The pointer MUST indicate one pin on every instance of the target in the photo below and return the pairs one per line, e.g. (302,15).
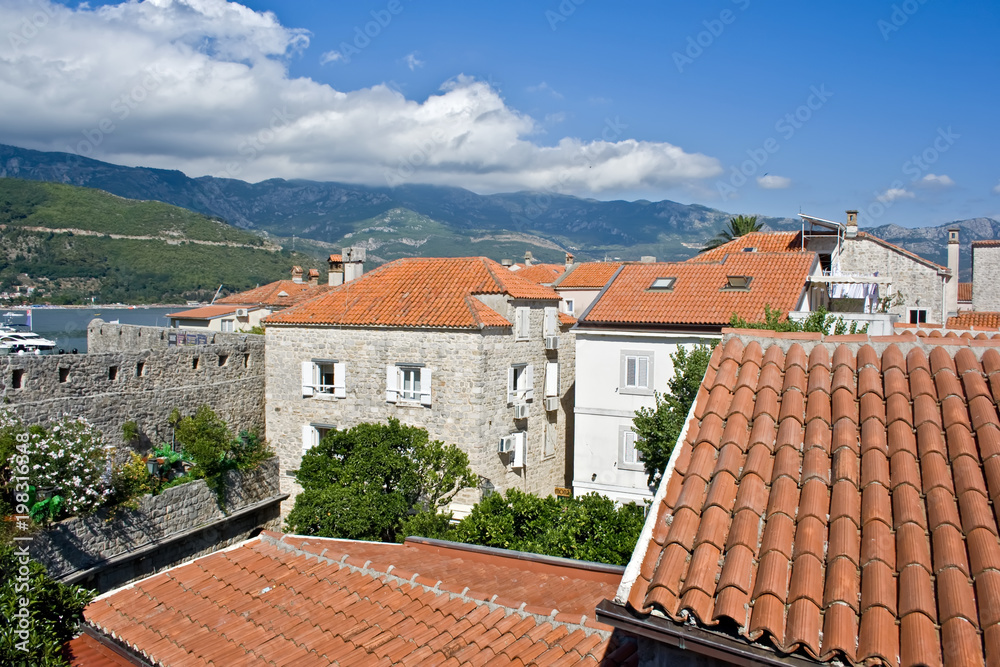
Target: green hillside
(76,243)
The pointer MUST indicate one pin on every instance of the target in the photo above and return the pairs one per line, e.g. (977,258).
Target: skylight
(750,249)
(663,284)
(738,282)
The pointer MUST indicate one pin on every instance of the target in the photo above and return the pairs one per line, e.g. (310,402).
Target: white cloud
(772,182)
(412,61)
(331,57)
(996,189)
(544,88)
(203,86)
(935,181)
(892,194)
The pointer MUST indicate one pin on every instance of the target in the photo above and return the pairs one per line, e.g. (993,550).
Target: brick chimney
(354,262)
(296,274)
(951,287)
(336,274)
(313,277)
(851,230)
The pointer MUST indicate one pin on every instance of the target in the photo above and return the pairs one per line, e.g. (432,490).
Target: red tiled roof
(336,258)
(566,318)
(418,292)
(835,497)
(279,294)
(698,297)
(307,601)
(979,319)
(205,312)
(965,292)
(761,241)
(990,243)
(543,274)
(85,651)
(589,275)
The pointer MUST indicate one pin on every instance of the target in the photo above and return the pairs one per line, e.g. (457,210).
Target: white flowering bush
(72,458)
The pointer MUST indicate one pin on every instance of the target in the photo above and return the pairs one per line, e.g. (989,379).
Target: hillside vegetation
(76,243)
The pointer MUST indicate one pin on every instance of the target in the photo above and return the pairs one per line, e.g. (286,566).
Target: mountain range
(427,220)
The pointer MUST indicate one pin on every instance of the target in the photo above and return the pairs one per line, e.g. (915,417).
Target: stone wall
(130,374)
(106,549)
(985,276)
(469,394)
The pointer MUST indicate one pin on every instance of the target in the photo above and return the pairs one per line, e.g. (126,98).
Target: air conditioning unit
(552,342)
(506,444)
(521,411)
(551,403)
(242,312)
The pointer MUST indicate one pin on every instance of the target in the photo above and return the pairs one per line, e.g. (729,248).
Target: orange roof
(85,651)
(543,274)
(418,292)
(279,294)
(988,243)
(205,312)
(760,241)
(307,601)
(832,497)
(593,275)
(336,258)
(965,292)
(698,297)
(981,319)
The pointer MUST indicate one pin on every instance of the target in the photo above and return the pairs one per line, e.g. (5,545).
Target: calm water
(68,326)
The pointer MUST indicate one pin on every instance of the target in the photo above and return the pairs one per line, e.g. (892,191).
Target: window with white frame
(227,326)
(408,383)
(522,323)
(551,321)
(313,434)
(324,378)
(636,372)
(569,305)
(918,315)
(629,458)
(520,384)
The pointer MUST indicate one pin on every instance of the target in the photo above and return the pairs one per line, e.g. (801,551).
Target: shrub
(129,481)
(71,457)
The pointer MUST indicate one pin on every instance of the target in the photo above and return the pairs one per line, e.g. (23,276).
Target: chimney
(354,263)
(951,288)
(336,275)
(313,277)
(852,225)
(507,262)
(569,259)
(527,258)
(296,274)
(648,259)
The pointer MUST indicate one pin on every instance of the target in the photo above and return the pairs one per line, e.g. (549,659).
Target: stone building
(986,275)
(462,347)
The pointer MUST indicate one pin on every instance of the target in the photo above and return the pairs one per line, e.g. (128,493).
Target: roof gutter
(695,639)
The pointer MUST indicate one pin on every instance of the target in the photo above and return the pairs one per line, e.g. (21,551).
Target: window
(194,364)
(324,378)
(663,284)
(63,374)
(738,282)
(551,321)
(408,383)
(520,384)
(629,458)
(522,323)
(918,315)
(17,378)
(227,326)
(636,372)
(552,378)
(223,359)
(550,439)
(313,434)
(570,306)
(140,369)
(112,373)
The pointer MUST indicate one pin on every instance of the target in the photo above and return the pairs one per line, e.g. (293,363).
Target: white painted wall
(604,407)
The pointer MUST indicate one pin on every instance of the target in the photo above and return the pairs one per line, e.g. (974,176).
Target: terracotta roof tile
(205,312)
(759,241)
(699,295)
(279,294)
(418,292)
(588,275)
(284,603)
(976,319)
(965,292)
(543,274)
(877,544)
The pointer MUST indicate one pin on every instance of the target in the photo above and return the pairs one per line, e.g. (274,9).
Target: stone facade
(986,276)
(130,374)
(469,404)
(103,550)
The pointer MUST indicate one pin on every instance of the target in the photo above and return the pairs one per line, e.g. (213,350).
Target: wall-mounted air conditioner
(551,403)
(506,444)
(552,342)
(521,411)
(242,312)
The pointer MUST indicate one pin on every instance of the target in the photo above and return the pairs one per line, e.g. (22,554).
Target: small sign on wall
(563,492)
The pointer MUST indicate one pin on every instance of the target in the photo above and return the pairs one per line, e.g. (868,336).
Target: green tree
(737,227)
(657,429)
(364,483)
(818,321)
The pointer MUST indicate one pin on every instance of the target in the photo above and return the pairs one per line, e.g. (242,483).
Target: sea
(68,326)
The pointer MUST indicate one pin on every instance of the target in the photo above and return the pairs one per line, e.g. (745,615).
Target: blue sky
(741,105)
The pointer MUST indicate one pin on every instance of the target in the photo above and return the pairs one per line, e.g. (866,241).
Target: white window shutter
(308,383)
(340,379)
(552,378)
(308,438)
(391,384)
(520,448)
(529,383)
(551,321)
(425,386)
(643,379)
(511,393)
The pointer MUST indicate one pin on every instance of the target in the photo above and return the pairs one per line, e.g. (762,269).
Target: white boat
(15,342)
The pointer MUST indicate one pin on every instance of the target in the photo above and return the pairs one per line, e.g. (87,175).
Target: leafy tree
(818,321)
(364,483)
(657,429)
(737,227)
